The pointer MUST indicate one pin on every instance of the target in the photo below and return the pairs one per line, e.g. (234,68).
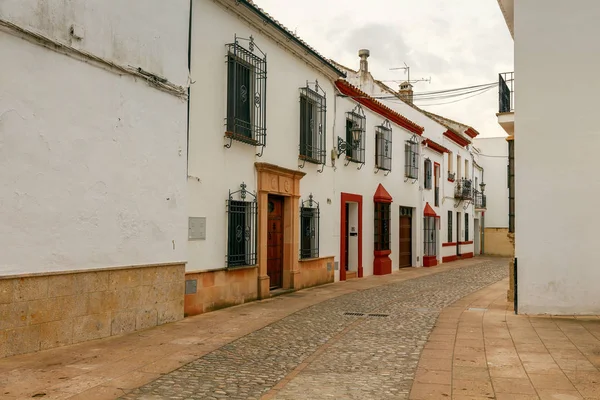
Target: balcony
(506,112)
(480,200)
(463,189)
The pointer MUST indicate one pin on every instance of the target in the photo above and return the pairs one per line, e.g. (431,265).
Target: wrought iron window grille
(411,159)
(382,226)
(480,199)
(428,174)
(463,191)
(313,123)
(354,145)
(437,196)
(383,147)
(309,227)
(449,226)
(451,176)
(506,84)
(242,231)
(246,119)
(466,227)
(429,236)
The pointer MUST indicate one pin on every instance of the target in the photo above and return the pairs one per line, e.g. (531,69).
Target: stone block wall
(219,289)
(316,271)
(497,242)
(46,311)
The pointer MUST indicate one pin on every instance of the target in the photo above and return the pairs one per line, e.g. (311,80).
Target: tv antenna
(406,69)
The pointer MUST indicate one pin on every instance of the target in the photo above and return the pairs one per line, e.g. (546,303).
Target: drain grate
(356,314)
(359,314)
(379,315)
(477,309)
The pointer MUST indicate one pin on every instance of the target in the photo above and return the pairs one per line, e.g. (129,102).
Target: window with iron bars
(428,174)
(383,146)
(382,226)
(355,128)
(466,227)
(241,228)
(449,226)
(411,159)
(246,93)
(309,226)
(312,124)
(429,236)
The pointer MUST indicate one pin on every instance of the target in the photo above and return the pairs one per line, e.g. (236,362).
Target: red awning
(381,195)
(429,212)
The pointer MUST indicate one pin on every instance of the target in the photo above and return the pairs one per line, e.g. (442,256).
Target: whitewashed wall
(92,163)
(214,169)
(494,160)
(556,145)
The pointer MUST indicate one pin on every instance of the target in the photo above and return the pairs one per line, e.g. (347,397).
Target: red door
(275,242)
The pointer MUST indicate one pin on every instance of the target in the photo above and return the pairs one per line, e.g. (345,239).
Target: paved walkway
(480,350)
(312,341)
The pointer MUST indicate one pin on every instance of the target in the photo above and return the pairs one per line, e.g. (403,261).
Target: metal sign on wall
(197,228)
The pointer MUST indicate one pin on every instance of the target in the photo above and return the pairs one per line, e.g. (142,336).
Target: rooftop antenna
(406,69)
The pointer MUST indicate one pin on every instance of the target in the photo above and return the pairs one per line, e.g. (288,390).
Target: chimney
(364,64)
(406,92)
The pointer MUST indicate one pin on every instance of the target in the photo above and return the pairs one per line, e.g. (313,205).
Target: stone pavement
(480,350)
(363,345)
(112,367)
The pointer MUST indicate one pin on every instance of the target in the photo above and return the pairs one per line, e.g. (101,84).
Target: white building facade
(93,158)
(306,184)
(554,161)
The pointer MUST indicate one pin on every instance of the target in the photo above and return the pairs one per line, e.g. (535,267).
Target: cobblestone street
(363,345)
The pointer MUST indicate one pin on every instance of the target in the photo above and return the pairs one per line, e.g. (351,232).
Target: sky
(456,43)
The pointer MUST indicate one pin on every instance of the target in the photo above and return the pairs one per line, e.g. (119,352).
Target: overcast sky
(457,43)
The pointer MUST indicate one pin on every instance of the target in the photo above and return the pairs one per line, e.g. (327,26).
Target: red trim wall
(435,146)
(461,141)
(449,244)
(350,198)
(455,257)
(429,261)
(471,132)
(361,97)
(468,242)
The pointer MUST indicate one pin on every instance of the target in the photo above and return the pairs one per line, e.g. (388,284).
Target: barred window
(383,146)
(466,227)
(382,226)
(309,226)
(355,135)
(246,93)
(449,226)
(428,177)
(411,158)
(429,236)
(312,124)
(241,228)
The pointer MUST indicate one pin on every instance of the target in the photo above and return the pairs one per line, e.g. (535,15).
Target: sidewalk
(111,367)
(480,350)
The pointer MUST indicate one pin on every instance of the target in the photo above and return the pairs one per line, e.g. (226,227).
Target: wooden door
(275,242)
(405,251)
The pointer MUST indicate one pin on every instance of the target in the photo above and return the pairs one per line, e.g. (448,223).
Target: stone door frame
(276,180)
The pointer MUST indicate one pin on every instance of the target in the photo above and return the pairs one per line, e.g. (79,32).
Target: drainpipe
(187,166)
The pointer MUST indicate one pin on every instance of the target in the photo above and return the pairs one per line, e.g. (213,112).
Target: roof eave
(293,38)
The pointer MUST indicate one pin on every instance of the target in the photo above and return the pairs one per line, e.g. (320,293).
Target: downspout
(189,87)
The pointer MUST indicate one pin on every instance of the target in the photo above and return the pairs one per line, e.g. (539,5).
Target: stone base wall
(316,271)
(41,312)
(212,290)
(497,242)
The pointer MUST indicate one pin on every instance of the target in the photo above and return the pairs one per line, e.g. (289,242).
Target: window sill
(241,138)
(309,159)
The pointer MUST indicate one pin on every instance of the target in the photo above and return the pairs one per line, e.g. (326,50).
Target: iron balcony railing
(463,189)
(480,199)
(506,92)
